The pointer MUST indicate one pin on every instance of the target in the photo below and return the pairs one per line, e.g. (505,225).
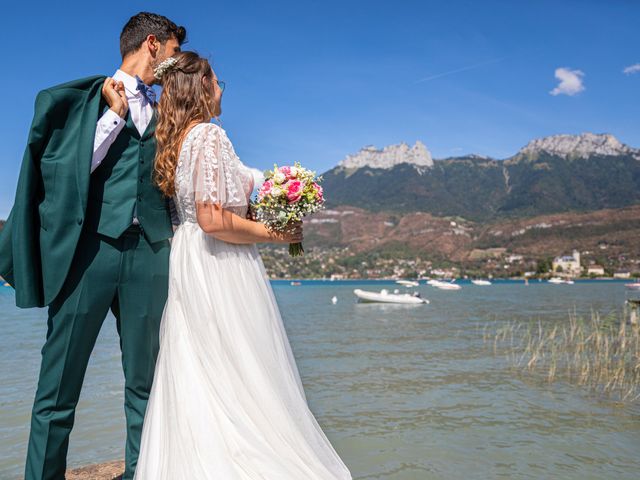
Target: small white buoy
(334,299)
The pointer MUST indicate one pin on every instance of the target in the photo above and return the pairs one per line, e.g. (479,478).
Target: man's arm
(173,212)
(112,122)
(108,128)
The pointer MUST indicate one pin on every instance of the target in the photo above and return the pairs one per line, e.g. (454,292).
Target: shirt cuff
(111,119)
(107,129)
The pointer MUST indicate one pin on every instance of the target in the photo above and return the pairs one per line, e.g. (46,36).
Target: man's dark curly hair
(140,26)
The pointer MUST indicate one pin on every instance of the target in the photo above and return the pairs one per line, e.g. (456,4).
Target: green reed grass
(601,353)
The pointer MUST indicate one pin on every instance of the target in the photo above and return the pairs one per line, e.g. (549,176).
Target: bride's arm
(229,227)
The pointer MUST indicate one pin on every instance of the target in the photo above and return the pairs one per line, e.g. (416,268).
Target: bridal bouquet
(288,194)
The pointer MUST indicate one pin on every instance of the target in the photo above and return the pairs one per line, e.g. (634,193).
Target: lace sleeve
(215,169)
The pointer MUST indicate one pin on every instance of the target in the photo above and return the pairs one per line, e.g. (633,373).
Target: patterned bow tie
(146,90)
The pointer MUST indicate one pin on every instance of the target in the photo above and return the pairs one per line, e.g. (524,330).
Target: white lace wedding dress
(227,402)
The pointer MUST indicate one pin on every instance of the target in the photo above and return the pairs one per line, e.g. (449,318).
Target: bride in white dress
(227,402)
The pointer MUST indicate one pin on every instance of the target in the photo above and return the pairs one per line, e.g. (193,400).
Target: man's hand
(113,93)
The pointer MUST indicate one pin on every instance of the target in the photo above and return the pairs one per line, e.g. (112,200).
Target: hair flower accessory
(164,67)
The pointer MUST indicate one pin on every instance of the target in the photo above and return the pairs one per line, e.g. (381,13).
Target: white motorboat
(632,286)
(482,283)
(560,281)
(385,297)
(407,283)
(445,285)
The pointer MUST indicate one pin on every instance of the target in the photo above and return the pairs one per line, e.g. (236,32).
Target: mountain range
(560,173)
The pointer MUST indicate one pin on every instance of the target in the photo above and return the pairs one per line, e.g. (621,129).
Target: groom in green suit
(89,232)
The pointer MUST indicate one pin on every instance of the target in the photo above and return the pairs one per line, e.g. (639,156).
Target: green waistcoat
(53,198)
(123,185)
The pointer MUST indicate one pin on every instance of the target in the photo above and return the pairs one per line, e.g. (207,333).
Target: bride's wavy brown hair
(184,100)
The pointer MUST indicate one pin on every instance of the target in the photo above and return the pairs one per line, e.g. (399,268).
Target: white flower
(164,67)
(279,177)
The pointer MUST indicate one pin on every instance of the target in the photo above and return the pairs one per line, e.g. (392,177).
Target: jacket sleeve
(19,239)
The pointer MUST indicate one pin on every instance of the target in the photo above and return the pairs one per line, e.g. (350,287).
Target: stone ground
(102,471)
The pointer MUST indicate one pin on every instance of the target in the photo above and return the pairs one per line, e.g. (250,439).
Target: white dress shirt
(111,124)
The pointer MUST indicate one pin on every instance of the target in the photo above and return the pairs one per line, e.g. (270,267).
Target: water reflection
(403,391)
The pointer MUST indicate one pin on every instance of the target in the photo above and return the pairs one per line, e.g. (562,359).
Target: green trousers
(129,276)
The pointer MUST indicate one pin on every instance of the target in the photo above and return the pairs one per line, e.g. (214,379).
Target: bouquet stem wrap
(295,249)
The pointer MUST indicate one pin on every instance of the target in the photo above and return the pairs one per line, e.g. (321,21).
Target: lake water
(403,392)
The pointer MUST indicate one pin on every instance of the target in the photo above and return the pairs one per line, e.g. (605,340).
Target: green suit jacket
(39,239)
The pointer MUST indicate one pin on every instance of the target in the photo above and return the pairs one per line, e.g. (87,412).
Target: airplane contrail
(458,70)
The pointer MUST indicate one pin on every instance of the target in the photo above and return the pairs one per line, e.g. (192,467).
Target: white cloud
(632,69)
(570,82)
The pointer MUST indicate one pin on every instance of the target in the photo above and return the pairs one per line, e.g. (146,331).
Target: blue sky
(314,81)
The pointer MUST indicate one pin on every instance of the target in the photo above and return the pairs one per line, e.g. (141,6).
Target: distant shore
(459,279)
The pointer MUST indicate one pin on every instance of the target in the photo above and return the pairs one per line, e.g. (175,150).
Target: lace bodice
(209,171)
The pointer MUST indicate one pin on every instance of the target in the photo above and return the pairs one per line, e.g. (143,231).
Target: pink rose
(286,171)
(318,191)
(294,190)
(265,189)
(289,172)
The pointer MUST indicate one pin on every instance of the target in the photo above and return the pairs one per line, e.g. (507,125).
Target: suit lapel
(132,126)
(87,130)
(151,128)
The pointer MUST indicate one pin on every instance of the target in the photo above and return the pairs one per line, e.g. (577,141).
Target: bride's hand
(293,234)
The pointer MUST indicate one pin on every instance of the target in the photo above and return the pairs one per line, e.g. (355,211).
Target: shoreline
(100,471)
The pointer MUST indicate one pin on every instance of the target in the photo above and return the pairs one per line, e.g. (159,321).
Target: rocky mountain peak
(579,146)
(389,156)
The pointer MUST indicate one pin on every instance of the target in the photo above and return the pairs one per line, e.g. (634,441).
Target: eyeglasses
(221,84)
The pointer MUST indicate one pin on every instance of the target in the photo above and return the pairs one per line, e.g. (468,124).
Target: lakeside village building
(568,266)
(596,270)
